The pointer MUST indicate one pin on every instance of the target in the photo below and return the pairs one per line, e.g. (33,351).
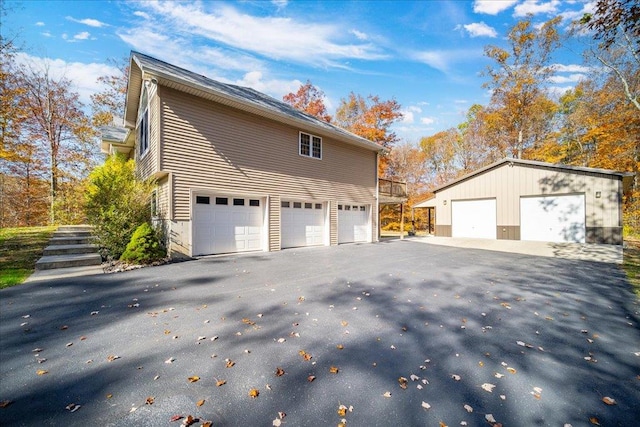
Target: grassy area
(631,264)
(20,248)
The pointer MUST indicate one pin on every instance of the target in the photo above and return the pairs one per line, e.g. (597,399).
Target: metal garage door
(353,223)
(473,218)
(224,224)
(553,218)
(302,223)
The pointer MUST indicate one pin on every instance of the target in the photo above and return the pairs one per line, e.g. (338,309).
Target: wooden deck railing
(390,188)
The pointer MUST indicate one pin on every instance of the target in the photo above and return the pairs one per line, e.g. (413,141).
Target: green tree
(117,203)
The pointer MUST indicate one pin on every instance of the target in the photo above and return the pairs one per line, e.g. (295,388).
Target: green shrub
(144,247)
(117,203)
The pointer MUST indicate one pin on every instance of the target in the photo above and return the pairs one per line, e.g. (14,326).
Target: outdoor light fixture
(444,202)
(598,194)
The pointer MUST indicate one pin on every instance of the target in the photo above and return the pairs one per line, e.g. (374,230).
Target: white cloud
(39,24)
(480,29)
(273,87)
(88,21)
(427,120)
(534,7)
(443,60)
(571,68)
(359,35)
(46,34)
(408,117)
(83,76)
(141,14)
(280,3)
(572,78)
(416,109)
(277,38)
(180,52)
(492,7)
(82,36)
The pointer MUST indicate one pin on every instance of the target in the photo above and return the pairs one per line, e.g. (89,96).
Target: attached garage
(474,218)
(303,223)
(353,223)
(516,199)
(226,224)
(558,218)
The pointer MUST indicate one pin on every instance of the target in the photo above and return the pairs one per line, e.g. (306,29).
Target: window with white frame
(310,146)
(142,130)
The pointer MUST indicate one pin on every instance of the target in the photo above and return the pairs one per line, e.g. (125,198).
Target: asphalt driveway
(518,339)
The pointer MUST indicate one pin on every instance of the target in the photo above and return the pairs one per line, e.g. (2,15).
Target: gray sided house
(237,170)
(527,200)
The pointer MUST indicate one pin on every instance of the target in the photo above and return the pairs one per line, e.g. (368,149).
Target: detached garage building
(527,200)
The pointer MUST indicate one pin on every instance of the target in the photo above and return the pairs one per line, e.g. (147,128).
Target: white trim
(311,142)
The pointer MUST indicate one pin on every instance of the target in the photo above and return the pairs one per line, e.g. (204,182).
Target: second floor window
(143,123)
(310,146)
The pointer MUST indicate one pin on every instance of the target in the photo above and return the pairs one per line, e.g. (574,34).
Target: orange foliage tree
(309,99)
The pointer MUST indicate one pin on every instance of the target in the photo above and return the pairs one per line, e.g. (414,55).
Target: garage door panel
(558,218)
(227,228)
(303,225)
(353,223)
(473,218)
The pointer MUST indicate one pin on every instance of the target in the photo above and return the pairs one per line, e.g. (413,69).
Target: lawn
(20,248)
(631,264)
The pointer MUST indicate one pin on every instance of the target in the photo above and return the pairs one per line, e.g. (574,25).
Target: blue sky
(428,55)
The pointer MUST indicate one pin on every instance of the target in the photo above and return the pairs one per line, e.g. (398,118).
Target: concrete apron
(578,251)
(58,273)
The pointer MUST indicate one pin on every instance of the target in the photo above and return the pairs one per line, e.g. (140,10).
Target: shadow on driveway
(553,336)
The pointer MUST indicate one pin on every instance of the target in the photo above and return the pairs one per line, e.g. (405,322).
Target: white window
(143,123)
(310,145)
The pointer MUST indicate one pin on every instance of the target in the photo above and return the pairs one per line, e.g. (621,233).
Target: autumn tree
(520,109)
(613,18)
(56,126)
(109,103)
(439,151)
(472,148)
(371,119)
(309,99)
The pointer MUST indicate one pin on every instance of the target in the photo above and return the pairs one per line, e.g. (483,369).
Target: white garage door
(224,224)
(473,218)
(553,218)
(302,223)
(353,223)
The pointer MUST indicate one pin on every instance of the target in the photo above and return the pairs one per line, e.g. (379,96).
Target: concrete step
(70,249)
(58,241)
(75,228)
(64,261)
(71,233)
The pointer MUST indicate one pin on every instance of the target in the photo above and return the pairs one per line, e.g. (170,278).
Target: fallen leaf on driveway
(403,383)
(425,405)
(334,369)
(5,403)
(170,360)
(455,377)
(310,378)
(72,407)
(490,418)
(387,394)
(609,401)
(229,363)
(253,393)
(193,379)
(488,387)
(594,420)
(42,372)
(150,400)
(279,372)
(112,357)
(511,370)
(468,408)
(200,403)
(220,383)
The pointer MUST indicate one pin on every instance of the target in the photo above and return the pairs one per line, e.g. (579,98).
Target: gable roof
(144,67)
(534,163)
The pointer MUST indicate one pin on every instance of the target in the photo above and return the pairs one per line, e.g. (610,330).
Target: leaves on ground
(609,401)
(334,369)
(150,400)
(193,379)
(488,387)
(42,372)
(200,402)
(253,393)
(279,372)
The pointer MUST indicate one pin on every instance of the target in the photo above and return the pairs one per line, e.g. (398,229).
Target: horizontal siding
(509,183)
(209,146)
(274,223)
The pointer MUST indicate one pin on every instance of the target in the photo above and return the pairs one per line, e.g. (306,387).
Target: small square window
(362,208)
(222,201)
(254,202)
(297,205)
(347,208)
(238,202)
(355,208)
(285,204)
(202,200)
(339,207)
(308,205)
(318,205)
(310,146)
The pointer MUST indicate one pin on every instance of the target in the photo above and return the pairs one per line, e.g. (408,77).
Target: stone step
(65,261)
(70,249)
(72,233)
(75,228)
(71,240)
